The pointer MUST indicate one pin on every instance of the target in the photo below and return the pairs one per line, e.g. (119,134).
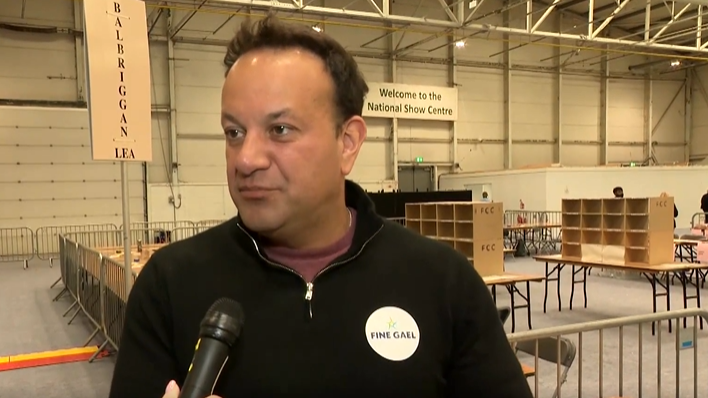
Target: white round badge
(392,333)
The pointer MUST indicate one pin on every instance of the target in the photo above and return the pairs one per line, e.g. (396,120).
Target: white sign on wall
(405,101)
(118,64)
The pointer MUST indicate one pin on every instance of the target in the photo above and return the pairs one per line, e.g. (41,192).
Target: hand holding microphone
(173,391)
(218,332)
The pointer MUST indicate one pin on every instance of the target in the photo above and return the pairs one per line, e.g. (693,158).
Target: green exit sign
(419,159)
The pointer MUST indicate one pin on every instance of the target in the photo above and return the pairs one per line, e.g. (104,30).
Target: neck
(317,231)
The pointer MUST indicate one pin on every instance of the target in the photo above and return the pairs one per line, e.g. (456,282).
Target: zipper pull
(308,297)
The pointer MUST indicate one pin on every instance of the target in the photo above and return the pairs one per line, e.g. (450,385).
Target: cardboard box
(488,258)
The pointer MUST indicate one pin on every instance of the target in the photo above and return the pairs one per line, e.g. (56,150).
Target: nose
(252,155)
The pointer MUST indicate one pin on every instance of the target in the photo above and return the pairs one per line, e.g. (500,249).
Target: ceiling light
(460,44)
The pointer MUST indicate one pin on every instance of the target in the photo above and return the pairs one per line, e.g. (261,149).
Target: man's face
(285,160)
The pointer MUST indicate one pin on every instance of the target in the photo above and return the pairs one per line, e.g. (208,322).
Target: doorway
(415,179)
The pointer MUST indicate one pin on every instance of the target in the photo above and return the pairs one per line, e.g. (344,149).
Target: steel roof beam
(674,18)
(466,28)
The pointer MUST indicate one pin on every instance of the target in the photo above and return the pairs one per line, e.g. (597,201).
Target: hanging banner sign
(118,72)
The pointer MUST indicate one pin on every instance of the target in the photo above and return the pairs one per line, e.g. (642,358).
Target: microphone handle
(209,359)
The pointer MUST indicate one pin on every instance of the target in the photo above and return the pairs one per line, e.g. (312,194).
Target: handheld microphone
(218,332)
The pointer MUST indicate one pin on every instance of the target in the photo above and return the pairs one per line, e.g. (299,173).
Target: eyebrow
(270,117)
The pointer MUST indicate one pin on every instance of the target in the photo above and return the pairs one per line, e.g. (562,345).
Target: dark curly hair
(350,88)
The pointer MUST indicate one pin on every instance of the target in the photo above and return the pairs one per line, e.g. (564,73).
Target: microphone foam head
(223,321)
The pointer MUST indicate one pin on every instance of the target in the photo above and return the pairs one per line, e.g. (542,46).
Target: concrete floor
(31,322)
(612,298)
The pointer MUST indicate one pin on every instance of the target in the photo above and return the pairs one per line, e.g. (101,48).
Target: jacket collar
(368,223)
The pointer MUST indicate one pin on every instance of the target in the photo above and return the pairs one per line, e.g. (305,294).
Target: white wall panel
(580,115)
(199,202)
(37,66)
(481,118)
(580,108)
(668,119)
(375,161)
(199,75)
(626,111)
(47,176)
(481,103)
(533,109)
(581,155)
(158,169)
(699,136)
(160,91)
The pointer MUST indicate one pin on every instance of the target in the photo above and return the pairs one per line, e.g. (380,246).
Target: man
(704,206)
(485,196)
(618,192)
(338,302)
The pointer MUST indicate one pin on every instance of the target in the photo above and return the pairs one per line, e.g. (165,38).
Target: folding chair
(559,350)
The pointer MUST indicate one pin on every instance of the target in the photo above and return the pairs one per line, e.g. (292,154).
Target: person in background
(485,196)
(618,192)
(704,207)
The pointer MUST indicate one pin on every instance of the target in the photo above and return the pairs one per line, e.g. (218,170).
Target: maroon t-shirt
(309,262)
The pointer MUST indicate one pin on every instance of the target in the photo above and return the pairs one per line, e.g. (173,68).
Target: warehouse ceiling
(579,34)
(621,26)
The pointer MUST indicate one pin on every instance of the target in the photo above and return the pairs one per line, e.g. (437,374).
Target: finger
(172,390)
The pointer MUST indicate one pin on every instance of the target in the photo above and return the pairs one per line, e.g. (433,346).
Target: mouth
(255,192)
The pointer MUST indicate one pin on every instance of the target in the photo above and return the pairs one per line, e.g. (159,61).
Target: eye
(233,134)
(281,130)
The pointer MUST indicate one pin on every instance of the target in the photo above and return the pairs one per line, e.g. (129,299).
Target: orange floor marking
(48,358)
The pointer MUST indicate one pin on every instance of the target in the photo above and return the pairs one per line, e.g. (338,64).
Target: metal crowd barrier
(539,230)
(17,244)
(47,238)
(534,217)
(96,282)
(21,244)
(97,286)
(617,357)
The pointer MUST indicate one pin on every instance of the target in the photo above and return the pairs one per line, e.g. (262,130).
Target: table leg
(585,287)
(545,293)
(528,301)
(557,268)
(577,270)
(510,289)
(683,277)
(662,281)
(668,299)
(679,249)
(692,254)
(698,294)
(686,281)
(525,299)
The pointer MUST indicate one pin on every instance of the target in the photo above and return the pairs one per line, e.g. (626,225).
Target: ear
(353,136)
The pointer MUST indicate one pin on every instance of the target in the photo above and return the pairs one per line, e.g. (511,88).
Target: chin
(257,223)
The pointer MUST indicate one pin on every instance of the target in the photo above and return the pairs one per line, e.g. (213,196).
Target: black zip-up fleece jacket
(443,338)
